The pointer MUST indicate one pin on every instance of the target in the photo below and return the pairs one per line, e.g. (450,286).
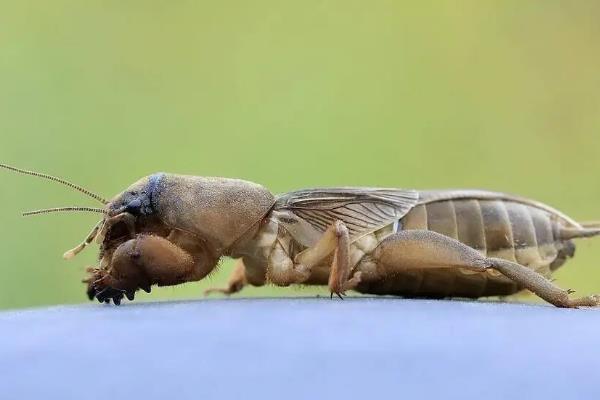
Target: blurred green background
(497,95)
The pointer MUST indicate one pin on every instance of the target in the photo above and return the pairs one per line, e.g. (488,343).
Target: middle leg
(283,271)
(237,281)
(247,271)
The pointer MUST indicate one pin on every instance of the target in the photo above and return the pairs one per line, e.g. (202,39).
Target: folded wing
(363,210)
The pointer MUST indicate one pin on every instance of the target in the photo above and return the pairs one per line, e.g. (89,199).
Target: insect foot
(340,291)
(99,286)
(594,300)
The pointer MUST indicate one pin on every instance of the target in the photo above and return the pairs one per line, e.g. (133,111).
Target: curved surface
(300,348)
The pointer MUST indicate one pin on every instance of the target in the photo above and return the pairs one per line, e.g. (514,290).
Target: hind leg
(426,249)
(590,224)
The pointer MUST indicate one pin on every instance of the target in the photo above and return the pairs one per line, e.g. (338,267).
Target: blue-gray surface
(299,349)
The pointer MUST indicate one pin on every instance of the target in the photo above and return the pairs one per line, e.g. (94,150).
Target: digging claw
(98,288)
(102,295)
(107,293)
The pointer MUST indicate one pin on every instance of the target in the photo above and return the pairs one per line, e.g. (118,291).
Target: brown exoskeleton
(167,229)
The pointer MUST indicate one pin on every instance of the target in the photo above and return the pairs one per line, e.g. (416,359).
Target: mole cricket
(166,229)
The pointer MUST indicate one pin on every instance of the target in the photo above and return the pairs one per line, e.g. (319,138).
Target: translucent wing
(363,210)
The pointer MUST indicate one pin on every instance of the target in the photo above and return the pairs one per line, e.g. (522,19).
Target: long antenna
(65,209)
(55,179)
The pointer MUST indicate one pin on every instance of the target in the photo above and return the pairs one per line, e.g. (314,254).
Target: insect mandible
(168,229)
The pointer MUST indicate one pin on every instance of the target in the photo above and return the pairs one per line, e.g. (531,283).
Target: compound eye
(134,207)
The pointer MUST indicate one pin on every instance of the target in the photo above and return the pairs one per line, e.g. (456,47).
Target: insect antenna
(65,209)
(55,179)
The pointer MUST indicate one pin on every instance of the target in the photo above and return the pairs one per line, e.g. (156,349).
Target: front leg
(142,262)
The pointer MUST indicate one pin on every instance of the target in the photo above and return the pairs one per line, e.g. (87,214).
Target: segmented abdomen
(497,228)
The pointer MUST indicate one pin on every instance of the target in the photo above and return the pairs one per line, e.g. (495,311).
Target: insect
(167,229)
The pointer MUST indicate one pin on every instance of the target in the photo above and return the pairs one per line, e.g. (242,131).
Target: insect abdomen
(497,228)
